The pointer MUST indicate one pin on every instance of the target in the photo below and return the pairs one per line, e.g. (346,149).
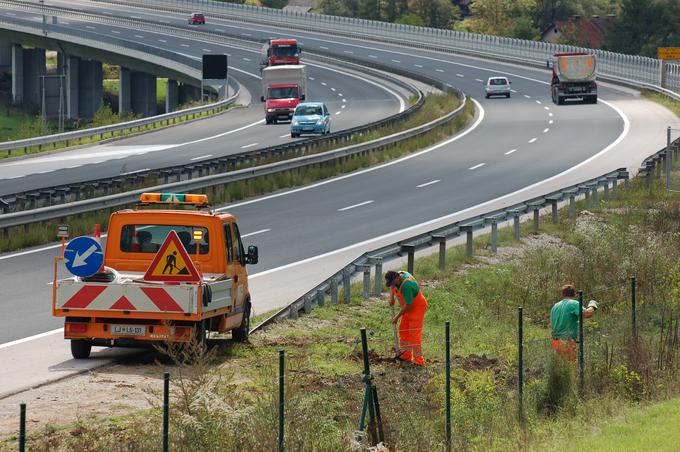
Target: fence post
(334,291)
(520,365)
(494,236)
(367,281)
(516,231)
(166,410)
(448,386)
(581,363)
(442,250)
(378,276)
(282,368)
(633,289)
(669,159)
(346,286)
(22,427)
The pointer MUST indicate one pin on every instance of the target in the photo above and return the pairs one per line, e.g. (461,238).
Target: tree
(548,11)
(435,13)
(369,9)
(394,9)
(503,18)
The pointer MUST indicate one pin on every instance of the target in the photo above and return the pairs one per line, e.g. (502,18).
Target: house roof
(592,30)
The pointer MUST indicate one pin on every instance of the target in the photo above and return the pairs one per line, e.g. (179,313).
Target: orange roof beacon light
(174,199)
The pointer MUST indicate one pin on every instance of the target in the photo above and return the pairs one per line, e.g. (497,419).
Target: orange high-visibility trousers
(411,333)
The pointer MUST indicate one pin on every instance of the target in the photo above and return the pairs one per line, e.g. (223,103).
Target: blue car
(310,117)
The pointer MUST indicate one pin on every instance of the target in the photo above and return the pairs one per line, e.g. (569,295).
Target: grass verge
(228,399)
(435,106)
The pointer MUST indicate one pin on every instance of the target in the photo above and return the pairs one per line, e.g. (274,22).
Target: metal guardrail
(329,288)
(129,198)
(630,69)
(192,66)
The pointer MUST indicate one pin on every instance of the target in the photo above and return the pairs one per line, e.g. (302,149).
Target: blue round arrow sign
(83,256)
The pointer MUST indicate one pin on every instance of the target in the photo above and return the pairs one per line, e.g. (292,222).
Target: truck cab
(145,292)
(281,51)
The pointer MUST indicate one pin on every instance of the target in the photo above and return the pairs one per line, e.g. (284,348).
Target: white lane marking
(545,130)
(311,78)
(115,32)
(343,106)
(185,45)
(479,165)
(418,65)
(439,70)
(324,84)
(206,50)
(460,75)
(338,112)
(511,151)
(246,59)
(550,114)
(162,40)
(474,126)
(323,47)
(428,183)
(479,80)
(340,94)
(206,156)
(139,36)
(538,102)
(135,171)
(372,56)
(90,27)
(246,34)
(547,108)
(348,51)
(355,206)
(332,89)
(527,96)
(532,140)
(164,21)
(551,121)
(261,231)
(513,91)
(135,17)
(366,243)
(30,338)
(344,100)
(396,61)
(284,136)
(249,145)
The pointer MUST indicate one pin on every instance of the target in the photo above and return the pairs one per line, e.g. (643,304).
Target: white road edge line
(355,205)
(30,338)
(532,140)
(545,130)
(428,183)
(511,151)
(479,165)
(201,157)
(249,145)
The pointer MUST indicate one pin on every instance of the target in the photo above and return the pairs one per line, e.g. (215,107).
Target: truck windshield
(285,50)
(148,238)
(283,93)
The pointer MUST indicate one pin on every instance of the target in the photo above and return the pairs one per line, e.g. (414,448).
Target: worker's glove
(592,304)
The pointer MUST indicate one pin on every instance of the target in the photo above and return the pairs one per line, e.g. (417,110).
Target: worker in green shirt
(564,318)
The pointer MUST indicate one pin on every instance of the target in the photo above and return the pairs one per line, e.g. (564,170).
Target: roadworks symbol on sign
(172,263)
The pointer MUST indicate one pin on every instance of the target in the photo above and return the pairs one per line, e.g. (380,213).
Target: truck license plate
(128,330)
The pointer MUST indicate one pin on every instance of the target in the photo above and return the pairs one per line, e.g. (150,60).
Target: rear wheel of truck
(240,334)
(80,348)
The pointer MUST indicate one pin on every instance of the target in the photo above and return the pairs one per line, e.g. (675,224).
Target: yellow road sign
(172,263)
(668,53)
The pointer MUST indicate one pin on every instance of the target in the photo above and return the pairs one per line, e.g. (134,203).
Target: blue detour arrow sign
(83,256)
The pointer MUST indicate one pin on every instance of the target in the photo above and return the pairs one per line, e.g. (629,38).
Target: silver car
(497,86)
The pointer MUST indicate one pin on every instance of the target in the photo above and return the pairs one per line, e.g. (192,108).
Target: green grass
(671,104)
(112,86)
(641,429)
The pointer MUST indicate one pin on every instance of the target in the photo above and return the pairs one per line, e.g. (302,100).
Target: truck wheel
(241,333)
(80,348)
(294,135)
(560,100)
(267,120)
(200,336)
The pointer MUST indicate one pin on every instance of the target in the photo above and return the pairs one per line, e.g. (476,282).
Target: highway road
(516,148)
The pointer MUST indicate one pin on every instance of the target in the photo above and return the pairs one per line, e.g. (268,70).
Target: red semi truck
(281,51)
(283,88)
(573,78)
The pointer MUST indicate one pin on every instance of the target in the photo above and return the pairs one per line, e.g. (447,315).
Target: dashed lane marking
(355,206)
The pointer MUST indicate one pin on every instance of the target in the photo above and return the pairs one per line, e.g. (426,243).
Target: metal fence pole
(282,368)
(516,230)
(520,365)
(334,291)
(669,159)
(581,363)
(166,411)
(633,289)
(22,427)
(448,386)
(494,236)
(346,286)
(378,277)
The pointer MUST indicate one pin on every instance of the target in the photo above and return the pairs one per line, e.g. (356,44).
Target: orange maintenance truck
(168,275)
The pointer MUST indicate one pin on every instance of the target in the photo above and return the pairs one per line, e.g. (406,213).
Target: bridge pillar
(5,56)
(143,93)
(171,96)
(90,89)
(71,71)
(124,92)
(17,53)
(34,69)
(188,93)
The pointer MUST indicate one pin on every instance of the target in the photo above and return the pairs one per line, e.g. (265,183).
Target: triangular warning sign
(172,263)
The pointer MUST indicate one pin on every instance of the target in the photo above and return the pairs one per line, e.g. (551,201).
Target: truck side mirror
(303,97)
(252,257)
(262,99)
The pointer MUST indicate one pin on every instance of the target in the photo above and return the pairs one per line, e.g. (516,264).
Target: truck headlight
(270,110)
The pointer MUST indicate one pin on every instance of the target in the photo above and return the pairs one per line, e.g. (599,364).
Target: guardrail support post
(587,192)
(411,250)
(320,298)
(515,226)
(307,306)
(334,290)
(346,286)
(494,236)
(293,312)
(606,191)
(469,240)
(596,202)
(536,219)
(378,276)
(553,205)
(367,281)
(441,239)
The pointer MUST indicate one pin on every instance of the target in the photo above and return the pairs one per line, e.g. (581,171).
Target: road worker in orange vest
(413,305)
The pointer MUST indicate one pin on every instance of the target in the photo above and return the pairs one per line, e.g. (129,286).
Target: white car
(497,86)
